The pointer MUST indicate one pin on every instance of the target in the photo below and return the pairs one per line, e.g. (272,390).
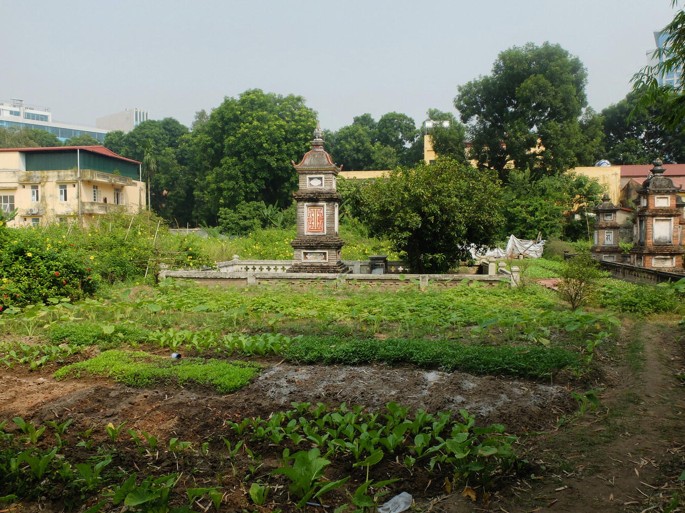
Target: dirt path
(628,454)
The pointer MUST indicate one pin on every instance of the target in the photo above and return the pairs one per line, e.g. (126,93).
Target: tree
(634,133)
(161,145)
(527,113)
(27,138)
(83,140)
(352,147)
(448,135)
(434,213)
(397,131)
(579,277)
(243,152)
(670,58)
(545,206)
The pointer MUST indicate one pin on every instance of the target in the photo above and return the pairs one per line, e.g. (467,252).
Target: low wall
(635,274)
(381,280)
(282,266)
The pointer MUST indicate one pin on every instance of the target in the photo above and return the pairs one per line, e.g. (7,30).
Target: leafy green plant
(306,475)
(258,493)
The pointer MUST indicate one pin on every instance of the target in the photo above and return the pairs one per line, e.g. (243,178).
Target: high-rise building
(674,77)
(16,114)
(125,121)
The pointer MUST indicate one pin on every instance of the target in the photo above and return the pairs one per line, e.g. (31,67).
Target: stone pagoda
(317,245)
(606,240)
(658,243)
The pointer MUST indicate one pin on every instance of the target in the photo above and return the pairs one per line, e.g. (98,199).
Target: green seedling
(306,476)
(31,432)
(114,431)
(258,493)
(38,463)
(90,475)
(214,495)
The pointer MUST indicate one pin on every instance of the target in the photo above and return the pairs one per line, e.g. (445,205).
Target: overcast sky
(86,59)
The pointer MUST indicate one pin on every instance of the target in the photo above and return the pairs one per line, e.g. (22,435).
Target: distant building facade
(16,114)
(68,184)
(673,78)
(125,121)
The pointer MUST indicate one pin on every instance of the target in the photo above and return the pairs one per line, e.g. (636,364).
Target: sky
(173,58)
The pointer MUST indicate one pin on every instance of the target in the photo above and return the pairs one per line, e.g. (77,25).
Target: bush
(554,249)
(638,299)
(34,268)
(579,277)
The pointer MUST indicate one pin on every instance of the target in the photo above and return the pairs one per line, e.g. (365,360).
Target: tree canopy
(634,133)
(27,138)
(527,113)
(243,151)
(435,212)
(369,144)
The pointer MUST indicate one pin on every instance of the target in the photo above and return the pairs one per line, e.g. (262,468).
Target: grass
(141,369)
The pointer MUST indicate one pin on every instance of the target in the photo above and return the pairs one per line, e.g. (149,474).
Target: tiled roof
(100,150)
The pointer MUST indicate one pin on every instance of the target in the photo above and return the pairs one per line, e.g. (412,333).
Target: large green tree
(634,133)
(434,213)
(527,112)
(161,147)
(243,151)
(27,138)
(546,206)
(369,144)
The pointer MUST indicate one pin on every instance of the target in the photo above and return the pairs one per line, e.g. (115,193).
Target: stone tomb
(317,244)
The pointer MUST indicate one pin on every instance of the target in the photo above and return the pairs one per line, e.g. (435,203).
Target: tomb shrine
(317,244)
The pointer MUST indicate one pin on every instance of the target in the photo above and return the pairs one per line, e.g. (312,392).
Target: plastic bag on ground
(397,504)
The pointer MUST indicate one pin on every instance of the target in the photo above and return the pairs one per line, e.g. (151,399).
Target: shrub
(554,249)
(637,299)
(34,268)
(579,277)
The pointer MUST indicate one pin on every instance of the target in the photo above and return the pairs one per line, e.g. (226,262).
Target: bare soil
(626,455)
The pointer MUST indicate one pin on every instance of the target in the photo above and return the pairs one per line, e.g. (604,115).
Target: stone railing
(254,266)
(633,273)
(282,266)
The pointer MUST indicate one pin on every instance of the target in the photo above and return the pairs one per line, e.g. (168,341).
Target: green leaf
(140,496)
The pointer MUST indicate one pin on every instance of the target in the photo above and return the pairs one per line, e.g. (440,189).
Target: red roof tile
(100,150)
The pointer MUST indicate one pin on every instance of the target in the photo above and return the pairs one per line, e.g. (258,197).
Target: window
(609,216)
(643,201)
(118,197)
(35,221)
(35,194)
(63,192)
(609,237)
(662,201)
(663,233)
(609,258)
(7,202)
(96,193)
(596,237)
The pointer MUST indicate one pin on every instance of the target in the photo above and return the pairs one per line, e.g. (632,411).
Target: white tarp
(526,248)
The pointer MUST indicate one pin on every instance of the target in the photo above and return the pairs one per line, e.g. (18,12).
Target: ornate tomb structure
(658,241)
(317,245)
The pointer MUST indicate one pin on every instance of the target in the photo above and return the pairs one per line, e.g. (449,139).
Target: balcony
(92,207)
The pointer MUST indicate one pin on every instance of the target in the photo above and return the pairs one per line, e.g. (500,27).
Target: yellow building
(68,183)
(609,177)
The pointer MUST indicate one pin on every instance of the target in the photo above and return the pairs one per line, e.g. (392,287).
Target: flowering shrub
(33,269)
